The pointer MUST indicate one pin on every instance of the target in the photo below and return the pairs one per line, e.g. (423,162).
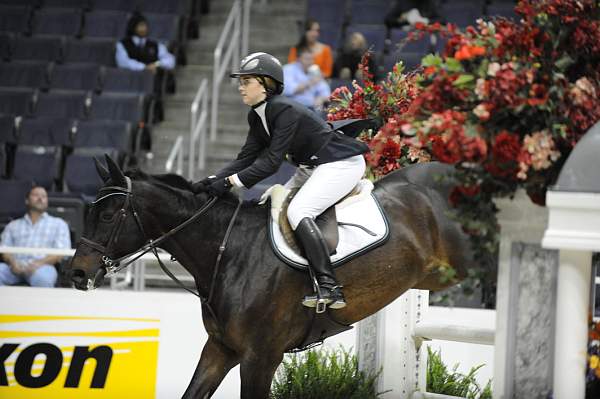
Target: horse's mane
(169,180)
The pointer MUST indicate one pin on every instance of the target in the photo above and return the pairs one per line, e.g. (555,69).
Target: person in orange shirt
(321,51)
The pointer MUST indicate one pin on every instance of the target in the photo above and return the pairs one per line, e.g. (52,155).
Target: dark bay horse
(256,313)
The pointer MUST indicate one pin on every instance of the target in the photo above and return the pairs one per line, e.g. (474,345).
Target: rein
(113,266)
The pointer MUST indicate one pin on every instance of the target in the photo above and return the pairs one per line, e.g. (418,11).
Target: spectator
(346,63)
(36,229)
(137,52)
(409,12)
(304,82)
(322,52)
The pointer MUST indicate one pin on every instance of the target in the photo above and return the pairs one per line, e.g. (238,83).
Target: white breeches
(322,187)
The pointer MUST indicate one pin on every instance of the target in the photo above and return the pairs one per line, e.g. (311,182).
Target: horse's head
(112,229)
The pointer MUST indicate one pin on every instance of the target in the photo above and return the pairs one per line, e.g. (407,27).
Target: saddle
(352,226)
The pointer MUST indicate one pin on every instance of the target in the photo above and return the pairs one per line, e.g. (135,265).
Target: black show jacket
(294,130)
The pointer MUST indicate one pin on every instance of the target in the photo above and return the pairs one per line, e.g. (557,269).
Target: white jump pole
(570,346)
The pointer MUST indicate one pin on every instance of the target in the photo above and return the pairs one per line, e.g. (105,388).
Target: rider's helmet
(261,64)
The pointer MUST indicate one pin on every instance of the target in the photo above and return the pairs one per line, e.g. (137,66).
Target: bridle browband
(112,266)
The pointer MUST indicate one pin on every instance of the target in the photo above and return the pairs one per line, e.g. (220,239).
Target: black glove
(202,185)
(219,187)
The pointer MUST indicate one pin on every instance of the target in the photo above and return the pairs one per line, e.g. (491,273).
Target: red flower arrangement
(505,103)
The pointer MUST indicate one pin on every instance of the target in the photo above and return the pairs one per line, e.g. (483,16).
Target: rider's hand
(219,187)
(202,185)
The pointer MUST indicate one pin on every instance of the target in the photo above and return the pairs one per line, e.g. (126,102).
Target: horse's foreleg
(256,373)
(215,362)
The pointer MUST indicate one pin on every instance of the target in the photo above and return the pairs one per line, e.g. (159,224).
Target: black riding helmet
(261,64)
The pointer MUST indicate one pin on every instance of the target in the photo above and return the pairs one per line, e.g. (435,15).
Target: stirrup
(314,301)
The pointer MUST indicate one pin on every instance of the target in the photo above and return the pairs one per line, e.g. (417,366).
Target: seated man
(36,229)
(304,82)
(137,52)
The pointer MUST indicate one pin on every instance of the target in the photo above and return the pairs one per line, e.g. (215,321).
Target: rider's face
(251,90)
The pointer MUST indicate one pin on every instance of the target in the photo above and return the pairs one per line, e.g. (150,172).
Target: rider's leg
(327,184)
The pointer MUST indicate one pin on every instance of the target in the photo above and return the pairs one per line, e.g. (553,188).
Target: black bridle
(112,266)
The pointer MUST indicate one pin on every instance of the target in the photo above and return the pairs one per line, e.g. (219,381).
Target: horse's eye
(106,216)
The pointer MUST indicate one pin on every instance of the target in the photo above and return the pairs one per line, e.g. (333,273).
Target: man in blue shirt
(304,82)
(137,52)
(36,229)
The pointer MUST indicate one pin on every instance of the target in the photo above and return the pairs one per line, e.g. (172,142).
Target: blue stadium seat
(45,131)
(37,163)
(327,12)
(13,198)
(118,106)
(103,134)
(337,82)
(15,19)
(77,76)
(506,10)
(176,7)
(105,23)
(57,22)
(37,48)
(32,74)
(375,35)
(62,104)
(99,51)
(80,174)
(463,13)
(368,12)
(22,3)
(125,80)
(411,60)
(164,27)
(77,4)
(7,139)
(420,46)
(15,101)
(117,5)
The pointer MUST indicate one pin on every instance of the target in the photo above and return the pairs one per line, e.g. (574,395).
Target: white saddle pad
(361,209)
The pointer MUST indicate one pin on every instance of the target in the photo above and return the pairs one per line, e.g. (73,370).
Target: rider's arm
(283,129)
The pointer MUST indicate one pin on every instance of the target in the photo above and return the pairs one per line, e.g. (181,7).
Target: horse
(254,314)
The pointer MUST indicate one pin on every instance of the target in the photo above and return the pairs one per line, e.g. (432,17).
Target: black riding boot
(317,252)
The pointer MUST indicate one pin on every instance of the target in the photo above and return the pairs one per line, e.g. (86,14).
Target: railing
(176,155)
(235,37)
(198,128)
(135,273)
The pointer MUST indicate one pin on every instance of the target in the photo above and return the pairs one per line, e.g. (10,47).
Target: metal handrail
(176,154)
(198,128)
(230,56)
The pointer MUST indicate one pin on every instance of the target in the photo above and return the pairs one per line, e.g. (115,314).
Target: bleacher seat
(32,74)
(80,174)
(103,134)
(118,5)
(15,101)
(7,138)
(125,80)
(176,7)
(62,104)
(76,76)
(410,60)
(41,164)
(164,27)
(368,12)
(37,48)
(94,50)
(375,35)
(504,9)
(461,13)
(57,22)
(15,19)
(13,199)
(45,131)
(118,106)
(338,82)
(71,209)
(327,12)
(77,4)
(28,3)
(420,46)
(106,24)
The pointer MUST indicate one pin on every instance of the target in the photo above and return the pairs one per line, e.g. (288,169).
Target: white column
(570,347)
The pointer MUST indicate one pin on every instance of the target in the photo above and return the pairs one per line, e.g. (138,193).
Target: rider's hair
(270,85)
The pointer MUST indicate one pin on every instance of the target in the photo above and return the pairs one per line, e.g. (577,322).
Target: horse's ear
(102,171)
(116,174)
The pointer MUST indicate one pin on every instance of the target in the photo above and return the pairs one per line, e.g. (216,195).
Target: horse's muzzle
(82,282)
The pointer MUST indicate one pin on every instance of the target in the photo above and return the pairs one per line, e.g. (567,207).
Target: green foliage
(319,374)
(443,381)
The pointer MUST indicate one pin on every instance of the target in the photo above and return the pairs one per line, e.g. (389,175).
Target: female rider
(330,163)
